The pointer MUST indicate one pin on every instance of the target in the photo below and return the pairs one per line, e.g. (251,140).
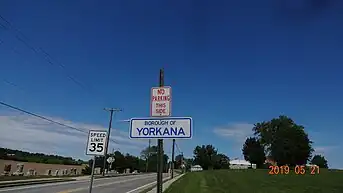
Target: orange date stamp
(298,170)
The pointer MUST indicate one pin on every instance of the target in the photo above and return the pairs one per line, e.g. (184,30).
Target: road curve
(124,184)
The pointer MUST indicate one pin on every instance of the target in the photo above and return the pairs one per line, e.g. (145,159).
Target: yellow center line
(71,190)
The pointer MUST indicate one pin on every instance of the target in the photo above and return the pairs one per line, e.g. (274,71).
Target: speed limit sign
(96,142)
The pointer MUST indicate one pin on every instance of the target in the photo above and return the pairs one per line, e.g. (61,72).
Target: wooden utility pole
(147,159)
(111,110)
(160,149)
(173,157)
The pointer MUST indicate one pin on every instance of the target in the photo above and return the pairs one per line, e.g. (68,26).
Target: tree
(178,160)
(152,159)
(188,162)
(87,170)
(123,162)
(285,141)
(205,156)
(319,161)
(119,162)
(99,163)
(146,152)
(253,152)
(222,162)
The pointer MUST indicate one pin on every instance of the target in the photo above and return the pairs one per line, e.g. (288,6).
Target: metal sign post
(95,146)
(92,176)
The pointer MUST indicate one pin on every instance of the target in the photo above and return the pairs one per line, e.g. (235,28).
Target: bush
(87,171)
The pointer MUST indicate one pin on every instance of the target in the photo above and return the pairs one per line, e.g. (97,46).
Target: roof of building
(239,162)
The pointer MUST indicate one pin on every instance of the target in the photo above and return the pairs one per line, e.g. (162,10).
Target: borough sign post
(160,125)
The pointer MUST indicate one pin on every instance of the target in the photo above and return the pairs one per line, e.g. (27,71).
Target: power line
(3,26)
(41,117)
(44,118)
(47,57)
(177,147)
(11,26)
(10,83)
(12,48)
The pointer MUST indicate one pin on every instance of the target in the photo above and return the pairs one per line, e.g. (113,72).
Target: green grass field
(257,181)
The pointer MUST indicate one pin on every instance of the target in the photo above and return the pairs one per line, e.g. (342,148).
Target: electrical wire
(3,26)
(46,119)
(46,56)
(177,147)
(11,83)
(49,59)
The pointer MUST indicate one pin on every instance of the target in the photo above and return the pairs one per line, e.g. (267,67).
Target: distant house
(196,168)
(311,165)
(241,164)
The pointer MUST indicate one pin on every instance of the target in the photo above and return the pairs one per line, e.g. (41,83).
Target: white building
(241,164)
(196,168)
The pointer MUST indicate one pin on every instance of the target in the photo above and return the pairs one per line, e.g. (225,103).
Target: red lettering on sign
(160,101)
(161,91)
(160,98)
(162,111)
(161,105)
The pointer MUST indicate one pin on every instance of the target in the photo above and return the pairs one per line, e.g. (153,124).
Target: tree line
(23,156)
(279,141)
(207,156)
(145,162)
(282,142)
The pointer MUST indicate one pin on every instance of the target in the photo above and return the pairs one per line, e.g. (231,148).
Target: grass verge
(257,181)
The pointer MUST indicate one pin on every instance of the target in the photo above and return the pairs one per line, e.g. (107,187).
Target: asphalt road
(125,184)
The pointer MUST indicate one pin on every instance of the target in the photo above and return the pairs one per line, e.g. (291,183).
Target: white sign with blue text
(162,128)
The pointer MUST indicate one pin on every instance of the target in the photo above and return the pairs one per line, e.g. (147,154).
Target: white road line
(144,186)
(55,184)
(100,185)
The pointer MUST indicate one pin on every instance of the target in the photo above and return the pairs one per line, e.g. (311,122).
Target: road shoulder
(151,188)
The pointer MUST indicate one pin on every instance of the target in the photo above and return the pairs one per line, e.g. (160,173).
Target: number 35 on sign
(96,142)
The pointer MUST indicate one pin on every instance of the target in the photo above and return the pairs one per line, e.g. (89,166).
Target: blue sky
(230,64)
